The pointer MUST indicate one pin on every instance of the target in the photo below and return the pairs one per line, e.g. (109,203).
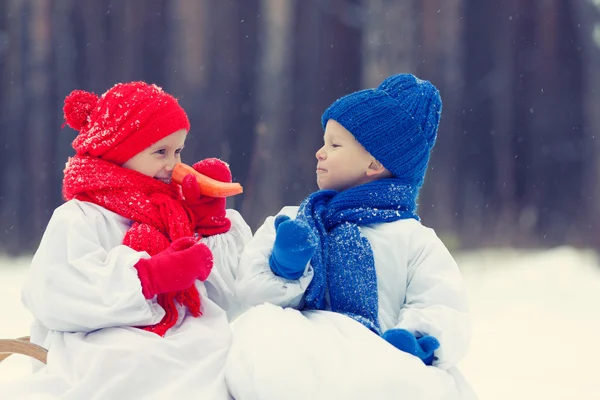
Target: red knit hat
(125,120)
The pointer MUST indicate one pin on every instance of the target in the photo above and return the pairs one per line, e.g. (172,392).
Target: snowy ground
(536,323)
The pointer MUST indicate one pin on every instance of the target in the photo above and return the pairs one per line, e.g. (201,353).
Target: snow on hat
(125,120)
(396,122)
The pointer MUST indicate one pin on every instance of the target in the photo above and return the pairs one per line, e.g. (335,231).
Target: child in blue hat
(364,299)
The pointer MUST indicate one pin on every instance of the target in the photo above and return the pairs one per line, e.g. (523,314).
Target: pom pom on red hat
(78,107)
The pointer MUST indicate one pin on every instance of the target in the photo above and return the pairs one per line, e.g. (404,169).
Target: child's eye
(161,152)
(178,151)
(334,145)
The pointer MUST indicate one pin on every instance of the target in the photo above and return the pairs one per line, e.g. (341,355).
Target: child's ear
(376,168)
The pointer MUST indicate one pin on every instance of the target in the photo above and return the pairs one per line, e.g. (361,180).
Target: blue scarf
(343,262)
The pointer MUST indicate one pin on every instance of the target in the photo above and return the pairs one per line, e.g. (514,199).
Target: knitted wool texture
(396,122)
(125,120)
(343,263)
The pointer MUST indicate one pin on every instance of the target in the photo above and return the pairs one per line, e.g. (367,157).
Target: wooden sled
(22,346)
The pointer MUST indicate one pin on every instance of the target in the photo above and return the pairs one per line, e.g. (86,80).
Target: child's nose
(169,167)
(171,162)
(320,154)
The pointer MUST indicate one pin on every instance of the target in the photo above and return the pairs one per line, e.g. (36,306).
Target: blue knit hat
(397,123)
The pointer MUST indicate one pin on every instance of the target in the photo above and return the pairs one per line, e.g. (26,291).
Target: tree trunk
(38,116)
(504,204)
(15,200)
(333,30)
(474,166)
(188,65)
(588,13)
(440,54)
(65,81)
(269,171)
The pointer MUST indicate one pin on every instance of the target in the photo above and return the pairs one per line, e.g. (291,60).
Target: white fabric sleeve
(256,283)
(227,249)
(436,302)
(77,283)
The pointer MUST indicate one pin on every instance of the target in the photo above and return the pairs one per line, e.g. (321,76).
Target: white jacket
(86,299)
(420,286)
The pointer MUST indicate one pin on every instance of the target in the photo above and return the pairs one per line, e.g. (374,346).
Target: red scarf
(158,214)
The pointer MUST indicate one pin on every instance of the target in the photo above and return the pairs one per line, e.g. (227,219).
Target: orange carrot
(208,186)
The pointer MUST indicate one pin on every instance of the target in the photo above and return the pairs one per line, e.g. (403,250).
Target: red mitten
(209,211)
(175,268)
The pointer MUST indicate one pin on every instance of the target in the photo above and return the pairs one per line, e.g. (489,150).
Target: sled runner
(22,346)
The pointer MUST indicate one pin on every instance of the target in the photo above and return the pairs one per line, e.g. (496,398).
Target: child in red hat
(130,288)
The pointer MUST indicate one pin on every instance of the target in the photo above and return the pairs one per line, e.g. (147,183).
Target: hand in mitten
(209,211)
(422,347)
(295,244)
(175,268)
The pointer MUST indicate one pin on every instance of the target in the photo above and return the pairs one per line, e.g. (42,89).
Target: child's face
(158,160)
(342,162)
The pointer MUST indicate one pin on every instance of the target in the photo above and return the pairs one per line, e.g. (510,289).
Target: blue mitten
(295,244)
(422,347)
